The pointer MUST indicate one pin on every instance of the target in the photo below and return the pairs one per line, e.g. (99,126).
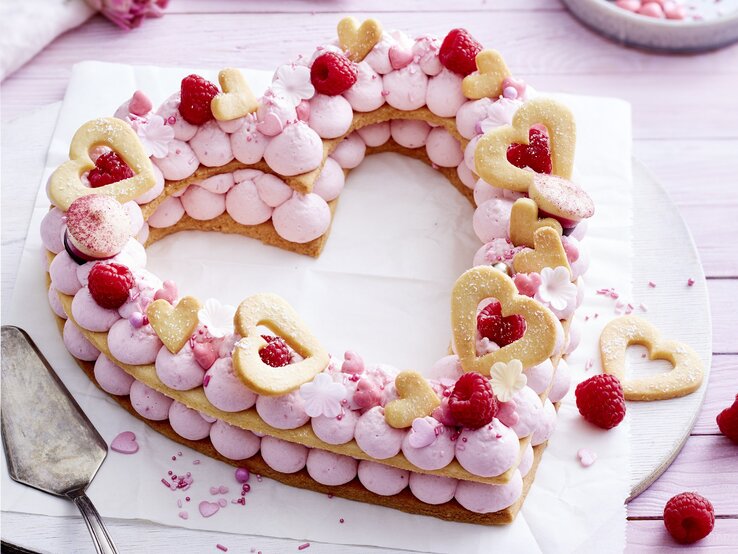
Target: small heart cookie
(416,399)
(490,154)
(487,81)
(358,40)
(480,283)
(683,379)
(174,325)
(274,313)
(236,100)
(547,251)
(65,184)
(524,222)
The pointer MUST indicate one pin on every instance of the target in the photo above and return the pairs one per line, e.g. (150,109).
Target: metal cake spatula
(49,442)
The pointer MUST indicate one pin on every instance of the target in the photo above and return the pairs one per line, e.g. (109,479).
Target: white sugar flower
(556,289)
(322,396)
(292,82)
(217,317)
(155,136)
(506,379)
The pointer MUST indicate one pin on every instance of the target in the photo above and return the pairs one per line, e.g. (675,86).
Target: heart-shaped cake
(251,385)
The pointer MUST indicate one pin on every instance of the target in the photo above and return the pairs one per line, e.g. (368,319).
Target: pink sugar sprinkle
(588,365)
(213,490)
(303,546)
(385,93)
(195,462)
(222,502)
(643,307)
(205,381)
(166,484)
(498,436)
(179,503)
(690,282)
(341,520)
(221,547)
(184,515)
(652,284)
(223,489)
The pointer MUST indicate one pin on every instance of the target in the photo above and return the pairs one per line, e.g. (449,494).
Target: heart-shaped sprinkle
(518,87)
(487,81)
(236,100)
(205,354)
(140,104)
(352,363)
(168,292)
(548,252)
(358,40)
(417,399)
(125,443)
(586,457)
(208,509)
(399,57)
(524,222)
(174,325)
(423,432)
(527,283)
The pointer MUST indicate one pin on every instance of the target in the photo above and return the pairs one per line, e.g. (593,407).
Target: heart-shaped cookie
(65,184)
(490,154)
(487,81)
(416,399)
(547,251)
(274,313)
(174,325)
(358,40)
(236,100)
(683,379)
(479,283)
(524,222)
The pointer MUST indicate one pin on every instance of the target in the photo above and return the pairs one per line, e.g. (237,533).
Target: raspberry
(727,421)
(535,155)
(109,168)
(600,401)
(689,517)
(459,52)
(276,353)
(333,73)
(472,403)
(109,284)
(502,330)
(196,95)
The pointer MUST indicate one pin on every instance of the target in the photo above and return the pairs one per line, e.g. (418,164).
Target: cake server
(49,442)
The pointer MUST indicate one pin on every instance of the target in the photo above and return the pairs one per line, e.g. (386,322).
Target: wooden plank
(698,176)
(647,537)
(707,465)
(355,6)
(723,294)
(723,387)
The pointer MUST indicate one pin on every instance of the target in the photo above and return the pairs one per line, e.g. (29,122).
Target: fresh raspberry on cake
(689,517)
(459,51)
(727,421)
(333,73)
(276,353)
(536,155)
(501,330)
(472,403)
(110,284)
(195,97)
(109,168)
(600,400)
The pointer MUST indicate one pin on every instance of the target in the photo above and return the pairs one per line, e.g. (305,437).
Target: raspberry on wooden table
(600,400)
(109,284)
(195,97)
(459,51)
(689,517)
(727,421)
(276,353)
(472,403)
(333,73)
(109,168)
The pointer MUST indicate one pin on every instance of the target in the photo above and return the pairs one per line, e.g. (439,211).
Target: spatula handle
(103,542)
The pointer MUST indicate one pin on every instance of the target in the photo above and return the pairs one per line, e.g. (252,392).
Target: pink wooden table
(685,129)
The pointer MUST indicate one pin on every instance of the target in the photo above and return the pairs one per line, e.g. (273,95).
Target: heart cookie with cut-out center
(524,222)
(480,283)
(547,251)
(274,313)
(625,331)
(174,325)
(490,154)
(416,399)
(65,184)
(358,40)
(236,100)
(487,81)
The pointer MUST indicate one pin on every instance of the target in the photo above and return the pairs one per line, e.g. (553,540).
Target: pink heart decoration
(125,443)
(168,292)
(140,104)
(399,57)
(303,110)
(271,125)
(205,354)
(517,85)
(527,283)
(353,363)
(586,457)
(367,394)
(422,433)
(507,413)
(208,509)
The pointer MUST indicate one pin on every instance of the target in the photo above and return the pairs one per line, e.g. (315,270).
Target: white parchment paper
(400,239)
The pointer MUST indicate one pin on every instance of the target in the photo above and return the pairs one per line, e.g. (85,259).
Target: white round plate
(655,34)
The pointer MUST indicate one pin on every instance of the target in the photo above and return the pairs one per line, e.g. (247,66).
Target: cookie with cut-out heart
(683,379)
(482,282)
(236,100)
(416,399)
(274,313)
(358,40)
(547,251)
(524,222)
(65,184)
(174,325)
(487,81)
(490,154)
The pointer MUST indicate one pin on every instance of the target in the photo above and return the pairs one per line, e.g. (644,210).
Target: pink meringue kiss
(303,218)
(297,149)
(97,226)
